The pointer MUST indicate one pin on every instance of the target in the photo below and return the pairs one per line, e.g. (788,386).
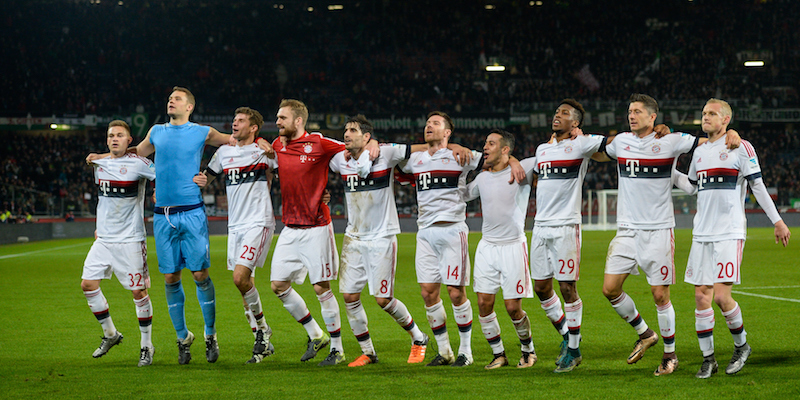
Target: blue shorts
(182,241)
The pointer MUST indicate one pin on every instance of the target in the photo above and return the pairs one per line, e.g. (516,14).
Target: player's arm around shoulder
(216,138)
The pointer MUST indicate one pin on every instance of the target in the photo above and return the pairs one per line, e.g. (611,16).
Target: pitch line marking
(765,296)
(40,251)
(769,287)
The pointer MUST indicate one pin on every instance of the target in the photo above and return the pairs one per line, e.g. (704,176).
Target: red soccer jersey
(303,175)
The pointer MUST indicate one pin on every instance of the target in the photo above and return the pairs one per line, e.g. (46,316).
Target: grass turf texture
(48,335)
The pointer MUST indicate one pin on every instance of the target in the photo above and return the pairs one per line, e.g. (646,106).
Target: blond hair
(299,109)
(725,108)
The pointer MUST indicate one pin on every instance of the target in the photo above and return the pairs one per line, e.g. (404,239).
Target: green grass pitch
(47,335)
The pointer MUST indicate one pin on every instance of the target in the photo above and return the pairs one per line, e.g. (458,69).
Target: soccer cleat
(667,366)
(212,348)
(563,352)
(708,368)
(418,350)
(462,360)
(146,356)
(363,360)
(257,358)
(527,360)
(184,351)
(261,347)
(107,343)
(440,360)
(740,355)
(641,346)
(315,346)
(333,358)
(500,360)
(571,360)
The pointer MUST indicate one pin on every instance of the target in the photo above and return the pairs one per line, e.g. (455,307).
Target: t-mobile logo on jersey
(352,182)
(633,167)
(233,176)
(701,179)
(424,180)
(104,186)
(544,169)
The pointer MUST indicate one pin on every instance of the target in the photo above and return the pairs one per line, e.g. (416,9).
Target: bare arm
(216,139)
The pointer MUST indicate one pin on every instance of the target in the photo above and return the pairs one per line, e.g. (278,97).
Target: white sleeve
(681,181)
(529,165)
(363,165)
(762,196)
(477,158)
(214,165)
(473,191)
(334,163)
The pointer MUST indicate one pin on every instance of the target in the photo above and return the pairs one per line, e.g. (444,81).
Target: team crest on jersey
(568,149)
(445,161)
(689,272)
(254,156)
(123,170)
(307,148)
(723,156)
(656,148)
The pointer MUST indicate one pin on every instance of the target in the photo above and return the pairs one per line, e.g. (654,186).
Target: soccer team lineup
(722,167)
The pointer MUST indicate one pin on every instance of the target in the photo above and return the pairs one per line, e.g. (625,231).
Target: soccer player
(556,239)
(718,175)
(180,226)
(369,251)
(645,222)
(501,260)
(251,223)
(442,255)
(306,244)
(120,247)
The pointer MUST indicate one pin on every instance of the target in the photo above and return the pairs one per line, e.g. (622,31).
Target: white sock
(253,300)
(358,324)
(463,317)
(574,312)
(626,308)
(736,325)
(437,319)
(400,313)
(296,306)
(144,311)
(251,320)
(99,306)
(332,318)
(491,331)
(704,325)
(552,308)
(666,323)
(523,328)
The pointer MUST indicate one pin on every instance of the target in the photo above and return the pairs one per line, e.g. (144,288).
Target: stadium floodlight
(310,9)
(489,7)
(333,7)
(754,63)
(53,126)
(495,68)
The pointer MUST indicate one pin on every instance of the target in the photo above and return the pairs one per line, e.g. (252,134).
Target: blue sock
(206,298)
(175,301)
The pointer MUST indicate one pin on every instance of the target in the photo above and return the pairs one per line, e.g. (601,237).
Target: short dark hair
(446,117)
(506,138)
(577,106)
(649,103)
(363,123)
(189,95)
(252,115)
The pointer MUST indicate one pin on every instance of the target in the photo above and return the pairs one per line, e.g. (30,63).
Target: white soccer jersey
(561,167)
(441,185)
(644,167)
(503,205)
(120,206)
(245,169)
(720,174)
(371,209)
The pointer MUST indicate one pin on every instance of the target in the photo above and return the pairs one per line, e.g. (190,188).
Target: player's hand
(95,234)
(517,172)
(94,156)
(661,130)
(732,139)
(200,179)
(575,132)
(347,155)
(462,154)
(373,148)
(232,141)
(782,233)
(326,197)
(263,144)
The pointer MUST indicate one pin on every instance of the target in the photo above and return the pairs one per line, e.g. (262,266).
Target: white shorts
(556,252)
(652,250)
(715,262)
(373,261)
(443,254)
(503,266)
(309,251)
(249,247)
(128,261)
